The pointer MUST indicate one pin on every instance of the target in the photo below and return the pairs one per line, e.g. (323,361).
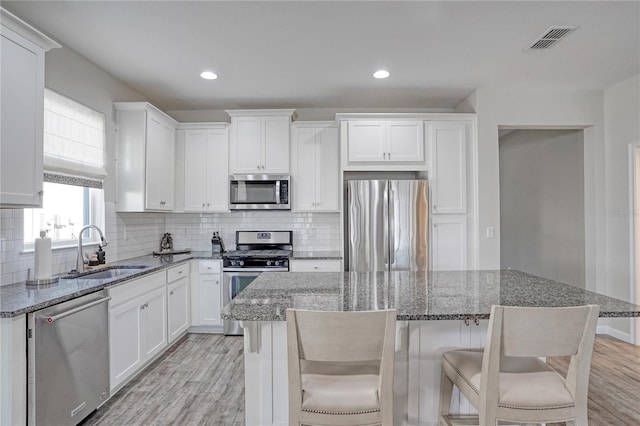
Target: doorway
(542,204)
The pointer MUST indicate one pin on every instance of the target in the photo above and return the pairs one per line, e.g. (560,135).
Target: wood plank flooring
(200,381)
(614,383)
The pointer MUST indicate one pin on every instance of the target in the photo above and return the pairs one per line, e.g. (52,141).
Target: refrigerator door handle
(392,227)
(385,209)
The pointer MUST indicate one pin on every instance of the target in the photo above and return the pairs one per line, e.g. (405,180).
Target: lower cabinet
(137,325)
(206,296)
(315,265)
(145,315)
(178,301)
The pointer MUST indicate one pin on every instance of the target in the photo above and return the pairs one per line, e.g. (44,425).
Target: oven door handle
(255,270)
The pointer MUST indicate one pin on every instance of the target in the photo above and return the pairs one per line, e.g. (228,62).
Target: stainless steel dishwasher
(68,353)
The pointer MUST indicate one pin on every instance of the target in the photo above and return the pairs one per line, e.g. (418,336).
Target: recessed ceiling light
(381,74)
(208,75)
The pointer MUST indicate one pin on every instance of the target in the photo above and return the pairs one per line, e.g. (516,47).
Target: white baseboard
(209,329)
(613,332)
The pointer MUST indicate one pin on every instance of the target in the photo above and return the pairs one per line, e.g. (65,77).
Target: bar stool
(341,367)
(508,381)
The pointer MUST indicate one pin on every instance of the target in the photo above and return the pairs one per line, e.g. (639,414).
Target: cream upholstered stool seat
(508,381)
(341,367)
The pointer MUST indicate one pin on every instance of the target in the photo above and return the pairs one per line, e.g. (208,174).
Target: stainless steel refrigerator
(386,225)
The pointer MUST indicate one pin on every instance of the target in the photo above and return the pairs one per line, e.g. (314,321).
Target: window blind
(74,138)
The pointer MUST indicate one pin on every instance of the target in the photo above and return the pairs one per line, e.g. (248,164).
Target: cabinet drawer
(136,287)
(177,272)
(315,266)
(210,267)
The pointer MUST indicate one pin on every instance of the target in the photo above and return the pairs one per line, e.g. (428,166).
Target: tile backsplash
(138,234)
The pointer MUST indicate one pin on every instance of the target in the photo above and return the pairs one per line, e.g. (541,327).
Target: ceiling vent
(550,37)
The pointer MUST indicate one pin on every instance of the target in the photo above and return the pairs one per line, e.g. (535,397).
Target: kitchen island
(437,311)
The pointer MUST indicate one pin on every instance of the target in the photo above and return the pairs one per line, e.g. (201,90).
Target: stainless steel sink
(108,273)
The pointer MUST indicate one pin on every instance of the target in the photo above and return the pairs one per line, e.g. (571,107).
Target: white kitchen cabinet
(383,145)
(137,325)
(259,141)
(448,242)
(448,178)
(145,158)
(429,340)
(205,186)
(206,297)
(315,265)
(315,170)
(178,301)
(22,111)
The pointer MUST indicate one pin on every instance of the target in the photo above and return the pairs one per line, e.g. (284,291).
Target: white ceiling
(321,54)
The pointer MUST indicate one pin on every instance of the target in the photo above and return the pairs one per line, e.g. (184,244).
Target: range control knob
(241,263)
(276,263)
(268,263)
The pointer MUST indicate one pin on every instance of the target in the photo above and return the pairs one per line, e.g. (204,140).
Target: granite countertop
(415,295)
(316,255)
(17,299)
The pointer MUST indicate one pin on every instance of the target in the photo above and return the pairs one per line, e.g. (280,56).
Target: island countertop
(448,295)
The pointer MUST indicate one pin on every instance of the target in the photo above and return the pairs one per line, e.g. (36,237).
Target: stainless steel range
(256,252)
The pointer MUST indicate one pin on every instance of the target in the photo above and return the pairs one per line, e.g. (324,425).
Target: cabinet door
(21,114)
(405,141)
(160,152)
(125,353)
(154,323)
(178,304)
(246,154)
(327,170)
(304,175)
(196,161)
(366,141)
(449,243)
(449,168)
(218,170)
(210,289)
(275,138)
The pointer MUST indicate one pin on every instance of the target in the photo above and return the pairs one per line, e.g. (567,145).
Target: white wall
(542,204)
(540,109)
(622,128)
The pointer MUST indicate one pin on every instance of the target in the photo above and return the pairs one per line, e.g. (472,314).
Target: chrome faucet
(80,260)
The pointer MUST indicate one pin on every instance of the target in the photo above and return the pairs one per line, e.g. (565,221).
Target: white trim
(613,332)
(203,125)
(633,268)
(18,26)
(406,116)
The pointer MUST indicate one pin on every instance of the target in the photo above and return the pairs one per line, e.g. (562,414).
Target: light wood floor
(614,383)
(200,381)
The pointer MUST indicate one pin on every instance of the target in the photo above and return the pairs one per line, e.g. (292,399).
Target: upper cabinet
(202,178)
(259,141)
(448,154)
(21,112)
(383,145)
(315,166)
(146,158)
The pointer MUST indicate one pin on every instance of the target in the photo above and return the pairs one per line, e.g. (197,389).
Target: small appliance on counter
(166,246)
(217,245)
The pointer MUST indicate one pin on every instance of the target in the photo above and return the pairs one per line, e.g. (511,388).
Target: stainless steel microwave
(259,192)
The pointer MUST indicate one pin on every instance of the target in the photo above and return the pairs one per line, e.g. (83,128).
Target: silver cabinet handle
(54,318)
(388,156)
(384,155)
(171,293)
(179,272)
(142,307)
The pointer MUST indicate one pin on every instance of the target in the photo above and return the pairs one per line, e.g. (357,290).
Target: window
(66,209)
(74,168)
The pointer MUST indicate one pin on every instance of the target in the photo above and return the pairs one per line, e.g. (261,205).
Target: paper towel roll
(42,259)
